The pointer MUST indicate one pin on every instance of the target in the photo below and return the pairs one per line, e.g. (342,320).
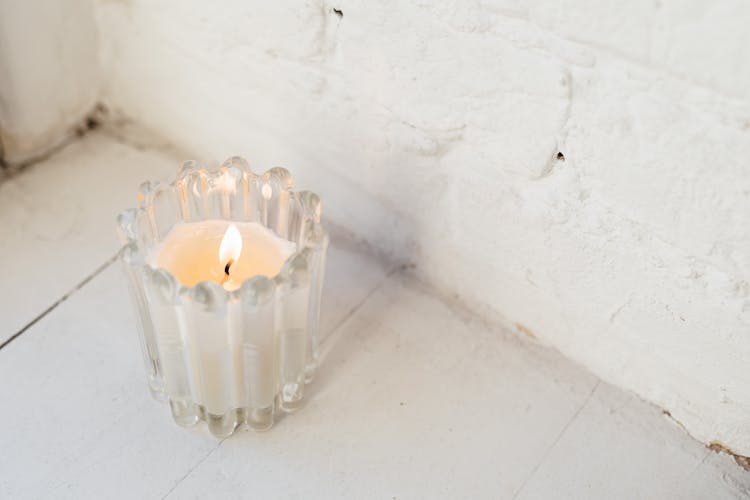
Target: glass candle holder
(226,356)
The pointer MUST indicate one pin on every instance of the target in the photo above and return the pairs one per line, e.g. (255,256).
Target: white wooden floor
(415,400)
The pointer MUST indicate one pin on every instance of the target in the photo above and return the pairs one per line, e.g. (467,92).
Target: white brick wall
(49,74)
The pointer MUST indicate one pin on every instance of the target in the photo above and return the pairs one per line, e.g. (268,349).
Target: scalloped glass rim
(231,172)
(227,357)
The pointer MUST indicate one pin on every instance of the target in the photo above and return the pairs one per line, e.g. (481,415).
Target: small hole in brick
(560,156)
(92,123)
(338,12)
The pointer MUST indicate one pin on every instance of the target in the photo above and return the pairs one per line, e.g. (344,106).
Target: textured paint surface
(432,130)
(49,74)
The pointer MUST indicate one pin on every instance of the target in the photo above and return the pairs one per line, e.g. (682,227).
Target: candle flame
(230,248)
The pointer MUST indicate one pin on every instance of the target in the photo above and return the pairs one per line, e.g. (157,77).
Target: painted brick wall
(49,74)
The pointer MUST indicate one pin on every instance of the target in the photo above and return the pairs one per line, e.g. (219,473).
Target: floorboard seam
(557,439)
(190,471)
(59,301)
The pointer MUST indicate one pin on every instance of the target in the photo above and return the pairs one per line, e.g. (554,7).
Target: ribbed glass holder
(227,357)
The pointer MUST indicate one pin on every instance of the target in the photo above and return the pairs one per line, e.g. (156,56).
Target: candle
(231,366)
(225,270)
(221,251)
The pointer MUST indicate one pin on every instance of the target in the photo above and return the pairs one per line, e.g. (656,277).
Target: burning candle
(226,271)
(221,251)
(227,253)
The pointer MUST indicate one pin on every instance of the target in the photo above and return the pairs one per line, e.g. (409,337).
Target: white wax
(230,354)
(191,252)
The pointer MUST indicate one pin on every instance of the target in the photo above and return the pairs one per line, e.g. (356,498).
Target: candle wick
(226,271)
